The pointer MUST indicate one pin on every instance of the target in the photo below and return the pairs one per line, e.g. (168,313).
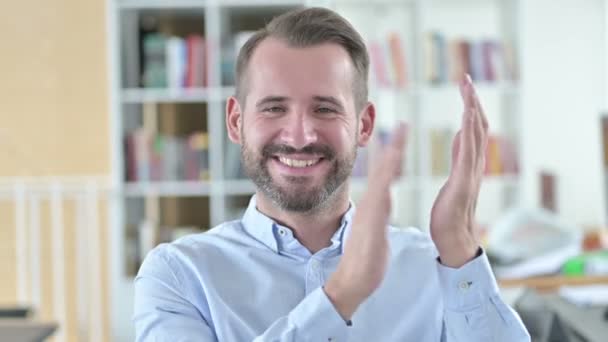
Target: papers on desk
(590,295)
(549,263)
(531,242)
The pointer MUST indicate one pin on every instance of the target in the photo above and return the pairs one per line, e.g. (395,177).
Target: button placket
(314,272)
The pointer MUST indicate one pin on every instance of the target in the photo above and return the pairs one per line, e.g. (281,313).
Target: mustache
(314,149)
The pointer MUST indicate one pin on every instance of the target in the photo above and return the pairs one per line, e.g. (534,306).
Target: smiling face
(299,129)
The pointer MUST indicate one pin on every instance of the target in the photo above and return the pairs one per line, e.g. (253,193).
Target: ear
(234,120)
(367,118)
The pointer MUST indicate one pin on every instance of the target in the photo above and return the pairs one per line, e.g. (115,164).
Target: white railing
(31,199)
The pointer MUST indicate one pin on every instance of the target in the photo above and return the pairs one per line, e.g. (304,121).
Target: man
(303,264)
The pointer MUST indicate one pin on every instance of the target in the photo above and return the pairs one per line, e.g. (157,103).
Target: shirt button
(464,285)
(281,231)
(315,265)
(330,339)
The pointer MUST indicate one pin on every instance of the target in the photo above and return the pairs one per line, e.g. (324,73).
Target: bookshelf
(157,200)
(430,100)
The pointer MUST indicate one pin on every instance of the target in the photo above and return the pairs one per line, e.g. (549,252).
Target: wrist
(458,252)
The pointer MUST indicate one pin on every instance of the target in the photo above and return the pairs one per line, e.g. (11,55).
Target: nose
(299,131)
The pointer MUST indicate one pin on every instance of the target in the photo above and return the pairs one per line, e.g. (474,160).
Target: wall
(53,115)
(53,89)
(563,87)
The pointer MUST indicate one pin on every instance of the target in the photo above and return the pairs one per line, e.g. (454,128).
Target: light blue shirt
(251,280)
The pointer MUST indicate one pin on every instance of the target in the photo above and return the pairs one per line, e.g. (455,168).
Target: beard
(297,196)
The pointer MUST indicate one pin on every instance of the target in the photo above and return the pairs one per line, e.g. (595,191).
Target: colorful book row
(157,157)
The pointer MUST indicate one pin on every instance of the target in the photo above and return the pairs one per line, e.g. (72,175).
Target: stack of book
(157,157)
(173,62)
(485,60)
(388,67)
(501,158)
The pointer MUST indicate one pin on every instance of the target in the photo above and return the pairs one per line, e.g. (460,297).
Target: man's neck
(313,230)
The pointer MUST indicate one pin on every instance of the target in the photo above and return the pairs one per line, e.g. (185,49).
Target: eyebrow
(273,99)
(270,99)
(329,99)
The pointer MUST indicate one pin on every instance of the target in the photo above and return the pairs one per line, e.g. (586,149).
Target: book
(485,60)
(198,144)
(130,161)
(142,139)
(490,64)
(177,62)
(464,50)
(379,66)
(162,157)
(398,60)
(493,157)
(436,66)
(196,74)
(476,61)
(154,61)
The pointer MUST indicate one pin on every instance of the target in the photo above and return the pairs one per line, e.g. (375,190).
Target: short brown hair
(307,27)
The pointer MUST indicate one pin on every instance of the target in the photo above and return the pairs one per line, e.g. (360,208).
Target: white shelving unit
(422,105)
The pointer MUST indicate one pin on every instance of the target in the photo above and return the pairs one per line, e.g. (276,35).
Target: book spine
(398,58)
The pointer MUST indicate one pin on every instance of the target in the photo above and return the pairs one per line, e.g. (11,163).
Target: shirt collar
(265,229)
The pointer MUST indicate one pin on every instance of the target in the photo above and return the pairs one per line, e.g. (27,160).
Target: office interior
(113,141)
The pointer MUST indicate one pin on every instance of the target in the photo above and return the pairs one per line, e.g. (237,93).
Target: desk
(552,283)
(23,330)
(587,322)
(551,318)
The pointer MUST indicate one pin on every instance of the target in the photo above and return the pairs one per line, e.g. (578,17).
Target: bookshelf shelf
(167,188)
(377,3)
(260,3)
(481,86)
(161,4)
(487,182)
(238,187)
(180,95)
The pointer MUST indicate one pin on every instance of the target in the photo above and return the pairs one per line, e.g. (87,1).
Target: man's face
(299,126)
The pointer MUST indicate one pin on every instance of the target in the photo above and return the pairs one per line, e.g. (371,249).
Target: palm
(453,213)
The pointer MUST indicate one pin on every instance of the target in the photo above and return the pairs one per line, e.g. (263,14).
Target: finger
(481,130)
(467,144)
(465,93)
(480,110)
(391,159)
(456,148)
(394,155)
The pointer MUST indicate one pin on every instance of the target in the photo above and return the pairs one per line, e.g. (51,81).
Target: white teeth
(298,163)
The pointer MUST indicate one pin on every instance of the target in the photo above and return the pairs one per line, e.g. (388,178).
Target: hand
(365,257)
(453,213)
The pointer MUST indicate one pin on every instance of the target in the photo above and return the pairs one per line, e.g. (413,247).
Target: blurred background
(112,141)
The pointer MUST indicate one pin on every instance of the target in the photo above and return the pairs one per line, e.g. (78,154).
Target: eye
(325,110)
(274,109)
